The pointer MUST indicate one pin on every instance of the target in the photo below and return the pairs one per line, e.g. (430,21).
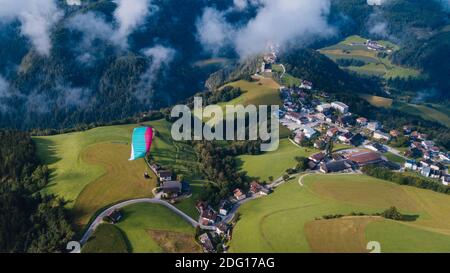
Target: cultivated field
(285,221)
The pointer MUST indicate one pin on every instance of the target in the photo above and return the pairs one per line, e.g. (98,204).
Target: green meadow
(285,221)
(91,170)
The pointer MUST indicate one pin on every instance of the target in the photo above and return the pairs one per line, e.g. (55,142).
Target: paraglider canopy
(141,142)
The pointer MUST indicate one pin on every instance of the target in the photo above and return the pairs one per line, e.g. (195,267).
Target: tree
(286,177)
(271,178)
(330,147)
(392,213)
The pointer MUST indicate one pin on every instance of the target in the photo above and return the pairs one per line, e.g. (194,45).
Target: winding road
(99,219)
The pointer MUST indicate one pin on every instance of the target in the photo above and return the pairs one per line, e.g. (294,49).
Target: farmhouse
(208,216)
(239,195)
(306,85)
(256,188)
(225,208)
(335,166)
(164,175)
(363,157)
(171,188)
(317,157)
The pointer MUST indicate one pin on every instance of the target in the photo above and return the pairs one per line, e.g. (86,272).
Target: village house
(321,116)
(411,165)
(324,107)
(317,158)
(306,85)
(341,107)
(394,133)
(445,180)
(239,195)
(164,175)
(293,116)
(206,242)
(381,136)
(357,140)
(427,144)
(361,121)
(258,189)
(444,157)
(320,144)
(346,137)
(376,147)
(208,217)
(225,207)
(335,166)
(363,157)
(332,131)
(171,188)
(309,132)
(407,129)
(344,121)
(373,126)
(372,45)
(223,229)
(299,137)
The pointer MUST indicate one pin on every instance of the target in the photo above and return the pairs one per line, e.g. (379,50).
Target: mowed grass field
(154,228)
(273,163)
(91,170)
(285,221)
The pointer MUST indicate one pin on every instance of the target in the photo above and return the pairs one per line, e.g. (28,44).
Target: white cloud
(278,22)
(213,30)
(129,15)
(159,56)
(36,18)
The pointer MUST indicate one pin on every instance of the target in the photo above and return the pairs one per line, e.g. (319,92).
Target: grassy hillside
(91,168)
(374,65)
(273,163)
(107,238)
(432,112)
(285,221)
(154,228)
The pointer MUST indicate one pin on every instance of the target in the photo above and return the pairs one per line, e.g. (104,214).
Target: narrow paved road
(99,219)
